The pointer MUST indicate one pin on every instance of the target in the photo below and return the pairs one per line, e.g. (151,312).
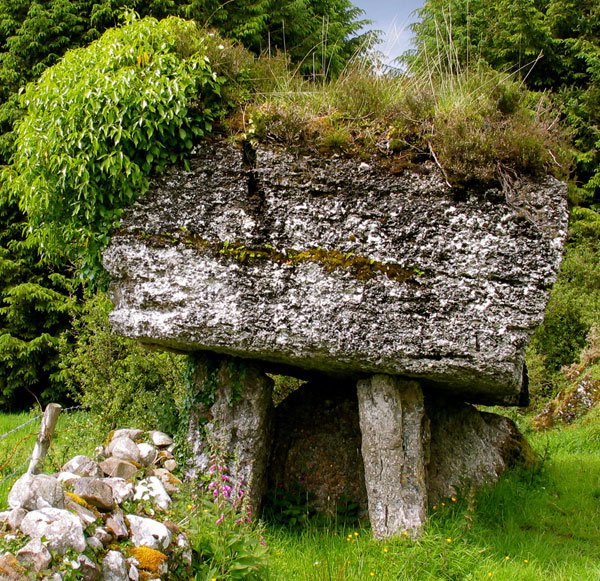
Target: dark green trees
(319,36)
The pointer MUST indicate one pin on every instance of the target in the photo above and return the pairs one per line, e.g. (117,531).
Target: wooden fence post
(42,444)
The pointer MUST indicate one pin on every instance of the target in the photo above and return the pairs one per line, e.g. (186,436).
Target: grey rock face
(61,528)
(35,491)
(149,532)
(238,423)
(124,448)
(316,447)
(118,468)
(115,567)
(95,491)
(395,441)
(469,448)
(83,466)
(34,555)
(322,264)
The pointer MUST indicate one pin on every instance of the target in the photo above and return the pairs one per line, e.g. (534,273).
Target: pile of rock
(102,519)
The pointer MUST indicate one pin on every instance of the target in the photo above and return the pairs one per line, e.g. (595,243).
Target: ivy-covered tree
(35,296)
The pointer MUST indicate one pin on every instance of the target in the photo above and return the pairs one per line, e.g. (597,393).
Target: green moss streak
(360,267)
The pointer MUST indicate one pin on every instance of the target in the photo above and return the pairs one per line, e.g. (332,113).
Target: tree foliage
(319,36)
(554,45)
(99,121)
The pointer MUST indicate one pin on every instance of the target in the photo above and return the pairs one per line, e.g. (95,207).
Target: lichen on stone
(149,559)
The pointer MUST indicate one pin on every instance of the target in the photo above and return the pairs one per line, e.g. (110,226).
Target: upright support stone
(395,444)
(232,421)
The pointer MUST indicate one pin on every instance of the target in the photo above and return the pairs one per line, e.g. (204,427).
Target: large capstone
(333,265)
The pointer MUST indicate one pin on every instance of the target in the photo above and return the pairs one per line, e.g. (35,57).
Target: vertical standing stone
(233,416)
(395,443)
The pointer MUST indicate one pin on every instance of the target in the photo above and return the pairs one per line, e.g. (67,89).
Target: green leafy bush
(123,384)
(100,121)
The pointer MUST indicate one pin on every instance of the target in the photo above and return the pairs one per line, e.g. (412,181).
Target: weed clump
(476,124)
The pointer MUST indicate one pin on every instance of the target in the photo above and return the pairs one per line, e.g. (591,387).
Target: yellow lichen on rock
(149,559)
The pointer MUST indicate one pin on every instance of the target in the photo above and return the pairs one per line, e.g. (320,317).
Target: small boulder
(67,477)
(83,466)
(96,492)
(148,532)
(152,488)
(86,516)
(148,454)
(127,433)
(115,524)
(170,465)
(115,567)
(61,528)
(160,439)
(35,556)
(11,569)
(95,544)
(36,491)
(118,468)
(125,449)
(121,489)
(89,571)
(170,482)
(104,536)
(13,517)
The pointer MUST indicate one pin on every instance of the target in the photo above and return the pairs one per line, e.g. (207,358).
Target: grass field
(537,524)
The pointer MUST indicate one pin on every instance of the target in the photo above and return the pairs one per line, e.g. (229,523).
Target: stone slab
(337,266)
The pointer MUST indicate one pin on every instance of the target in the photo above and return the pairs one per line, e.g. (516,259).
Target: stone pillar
(395,444)
(232,415)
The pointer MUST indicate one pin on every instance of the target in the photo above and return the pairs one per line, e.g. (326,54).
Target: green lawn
(540,524)
(537,524)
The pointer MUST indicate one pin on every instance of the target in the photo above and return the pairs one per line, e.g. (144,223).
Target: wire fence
(70,436)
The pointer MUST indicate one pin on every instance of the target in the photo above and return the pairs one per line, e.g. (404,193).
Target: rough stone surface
(184,276)
(152,488)
(469,448)
(61,528)
(88,569)
(35,491)
(121,489)
(239,421)
(15,518)
(170,482)
(11,569)
(124,448)
(132,434)
(148,454)
(149,532)
(316,446)
(118,468)
(115,567)
(95,491)
(160,439)
(115,524)
(86,516)
(34,555)
(395,440)
(83,466)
